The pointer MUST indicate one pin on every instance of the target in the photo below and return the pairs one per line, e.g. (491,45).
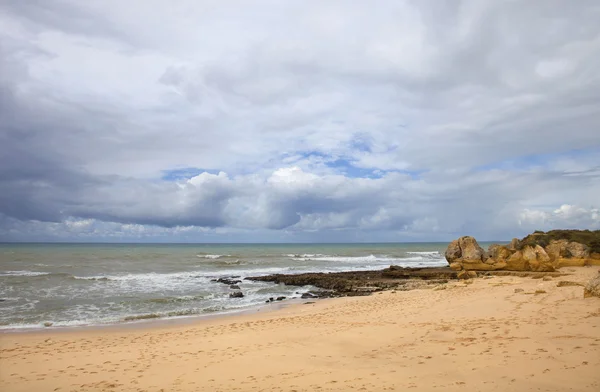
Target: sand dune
(478,337)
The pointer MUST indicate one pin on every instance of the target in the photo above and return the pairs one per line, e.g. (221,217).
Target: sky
(297,121)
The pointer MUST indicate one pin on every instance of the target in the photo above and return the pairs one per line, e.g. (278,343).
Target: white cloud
(458,116)
(566,216)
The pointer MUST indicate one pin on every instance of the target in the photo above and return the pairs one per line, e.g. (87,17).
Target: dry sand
(477,337)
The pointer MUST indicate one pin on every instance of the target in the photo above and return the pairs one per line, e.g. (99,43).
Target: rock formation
(538,252)
(466,254)
(363,282)
(592,289)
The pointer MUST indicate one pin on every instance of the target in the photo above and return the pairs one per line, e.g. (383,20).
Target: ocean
(61,285)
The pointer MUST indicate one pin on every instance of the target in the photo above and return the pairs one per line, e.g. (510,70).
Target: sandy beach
(484,336)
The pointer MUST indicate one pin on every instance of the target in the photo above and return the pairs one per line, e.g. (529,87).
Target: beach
(485,336)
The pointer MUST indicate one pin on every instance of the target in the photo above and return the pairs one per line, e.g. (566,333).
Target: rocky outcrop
(592,288)
(466,254)
(538,252)
(564,252)
(363,282)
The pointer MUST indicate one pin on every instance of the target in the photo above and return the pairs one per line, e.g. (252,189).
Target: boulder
(568,253)
(466,274)
(466,254)
(516,262)
(514,243)
(499,253)
(228,281)
(537,259)
(471,252)
(556,249)
(577,250)
(592,288)
(237,294)
(453,252)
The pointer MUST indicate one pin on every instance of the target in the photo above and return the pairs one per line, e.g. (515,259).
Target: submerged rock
(237,294)
(229,281)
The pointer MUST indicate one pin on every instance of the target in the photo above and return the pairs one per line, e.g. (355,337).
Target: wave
(428,253)
(212,256)
(348,259)
(183,298)
(23,273)
(305,255)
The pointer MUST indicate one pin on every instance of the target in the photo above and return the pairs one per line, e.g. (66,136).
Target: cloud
(414,120)
(567,216)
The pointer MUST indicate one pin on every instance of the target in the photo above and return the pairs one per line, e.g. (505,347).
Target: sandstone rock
(466,274)
(453,252)
(537,259)
(471,252)
(530,258)
(237,294)
(465,253)
(577,250)
(556,249)
(565,283)
(563,253)
(499,253)
(516,262)
(592,288)
(455,266)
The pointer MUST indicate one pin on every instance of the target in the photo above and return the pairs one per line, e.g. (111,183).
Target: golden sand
(482,336)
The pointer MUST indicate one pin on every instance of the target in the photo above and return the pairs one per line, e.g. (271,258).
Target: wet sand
(482,336)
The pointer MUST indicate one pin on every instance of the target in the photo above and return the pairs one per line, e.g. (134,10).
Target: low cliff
(541,252)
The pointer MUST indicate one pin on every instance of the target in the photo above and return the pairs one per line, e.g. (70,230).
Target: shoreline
(327,284)
(487,335)
(160,321)
(345,286)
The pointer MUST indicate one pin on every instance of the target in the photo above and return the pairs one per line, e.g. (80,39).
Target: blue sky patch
(184,173)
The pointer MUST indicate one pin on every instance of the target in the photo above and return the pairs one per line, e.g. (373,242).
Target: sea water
(95,284)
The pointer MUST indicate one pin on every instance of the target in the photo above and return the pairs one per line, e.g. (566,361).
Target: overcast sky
(285,121)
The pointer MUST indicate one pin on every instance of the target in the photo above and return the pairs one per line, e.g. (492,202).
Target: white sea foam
(429,253)
(306,255)
(23,273)
(212,256)
(347,259)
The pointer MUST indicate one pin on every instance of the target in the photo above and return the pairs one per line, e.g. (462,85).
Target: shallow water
(92,284)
